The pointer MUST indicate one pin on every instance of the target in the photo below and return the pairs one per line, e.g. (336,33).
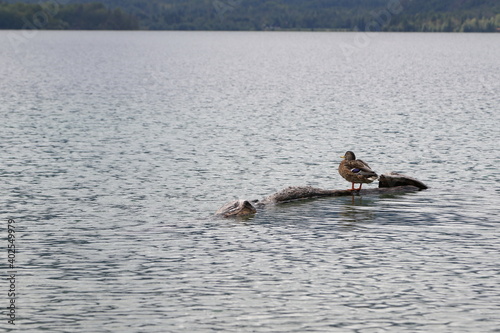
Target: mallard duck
(356,171)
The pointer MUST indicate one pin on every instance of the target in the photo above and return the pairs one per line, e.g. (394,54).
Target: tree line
(337,15)
(51,15)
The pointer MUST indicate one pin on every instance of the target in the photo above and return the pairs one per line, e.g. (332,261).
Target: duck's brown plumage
(356,171)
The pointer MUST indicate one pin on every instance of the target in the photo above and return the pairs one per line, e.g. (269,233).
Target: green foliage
(51,15)
(349,15)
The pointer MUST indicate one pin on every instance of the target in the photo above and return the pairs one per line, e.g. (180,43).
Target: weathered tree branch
(388,183)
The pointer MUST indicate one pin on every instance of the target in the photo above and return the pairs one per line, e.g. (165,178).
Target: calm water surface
(118,147)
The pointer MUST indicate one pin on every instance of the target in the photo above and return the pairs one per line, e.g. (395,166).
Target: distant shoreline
(253,15)
(266,31)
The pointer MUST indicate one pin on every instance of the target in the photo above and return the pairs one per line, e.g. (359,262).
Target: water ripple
(118,148)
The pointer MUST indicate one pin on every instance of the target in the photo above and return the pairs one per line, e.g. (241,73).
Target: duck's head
(349,156)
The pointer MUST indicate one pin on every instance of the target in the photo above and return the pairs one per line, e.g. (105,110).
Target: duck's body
(356,171)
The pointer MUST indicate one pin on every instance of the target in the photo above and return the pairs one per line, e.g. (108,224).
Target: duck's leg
(356,189)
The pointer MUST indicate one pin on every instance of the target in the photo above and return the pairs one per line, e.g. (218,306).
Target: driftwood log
(388,183)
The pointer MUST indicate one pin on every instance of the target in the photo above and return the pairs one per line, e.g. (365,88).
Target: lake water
(118,147)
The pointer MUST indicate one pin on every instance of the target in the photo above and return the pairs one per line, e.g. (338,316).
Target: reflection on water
(357,211)
(118,147)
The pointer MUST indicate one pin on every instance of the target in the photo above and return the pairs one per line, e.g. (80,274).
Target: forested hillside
(385,15)
(90,16)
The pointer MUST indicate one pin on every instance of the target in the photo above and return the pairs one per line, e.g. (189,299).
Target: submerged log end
(394,179)
(236,208)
